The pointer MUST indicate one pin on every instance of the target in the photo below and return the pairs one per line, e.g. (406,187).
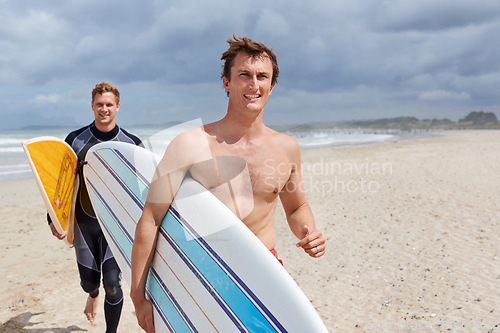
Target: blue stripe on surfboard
(248,293)
(104,209)
(161,303)
(158,310)
(212,291)
(123,175)
(219,262)
(218,282)
(165,301)
(119,236)
(132,167)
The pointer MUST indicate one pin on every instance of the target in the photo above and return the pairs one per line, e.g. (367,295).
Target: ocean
(14,165)
(332,138)
(13,162)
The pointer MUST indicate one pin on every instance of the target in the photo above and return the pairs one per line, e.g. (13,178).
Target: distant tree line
(479,117)
(474,120)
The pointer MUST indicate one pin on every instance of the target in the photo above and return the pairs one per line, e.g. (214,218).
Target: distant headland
(474,120)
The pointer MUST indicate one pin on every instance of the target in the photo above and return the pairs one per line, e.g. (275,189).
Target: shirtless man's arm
(142,255)
(165,184)
(298,213)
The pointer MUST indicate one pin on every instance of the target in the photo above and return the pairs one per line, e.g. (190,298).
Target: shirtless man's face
(250,85)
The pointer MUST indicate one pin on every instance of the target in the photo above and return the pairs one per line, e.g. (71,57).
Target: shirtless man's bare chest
(247,177)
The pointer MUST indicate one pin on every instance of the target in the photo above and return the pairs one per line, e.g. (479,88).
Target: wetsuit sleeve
(69,139)
(134,138)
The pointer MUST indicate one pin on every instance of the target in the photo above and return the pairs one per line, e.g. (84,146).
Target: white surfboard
(158,142)
(210,273)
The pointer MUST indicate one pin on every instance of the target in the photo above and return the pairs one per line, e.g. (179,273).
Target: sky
(339,59)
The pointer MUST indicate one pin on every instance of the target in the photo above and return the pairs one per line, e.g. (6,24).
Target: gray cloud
(338,59)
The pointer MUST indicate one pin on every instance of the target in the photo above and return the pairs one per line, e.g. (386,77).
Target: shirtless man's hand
(144,314)
(312,242)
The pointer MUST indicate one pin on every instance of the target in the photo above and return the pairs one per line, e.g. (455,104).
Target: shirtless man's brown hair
(254,49)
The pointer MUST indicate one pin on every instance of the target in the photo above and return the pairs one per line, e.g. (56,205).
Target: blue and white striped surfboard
(210,273)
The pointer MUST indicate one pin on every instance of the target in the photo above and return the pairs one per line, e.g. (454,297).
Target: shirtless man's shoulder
(288,143)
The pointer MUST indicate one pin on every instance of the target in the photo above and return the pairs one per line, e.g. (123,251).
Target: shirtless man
(272,165)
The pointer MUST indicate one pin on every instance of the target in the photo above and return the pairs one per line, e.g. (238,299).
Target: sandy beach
(412,243)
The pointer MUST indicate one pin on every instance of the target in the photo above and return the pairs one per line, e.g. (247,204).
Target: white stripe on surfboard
(249,305)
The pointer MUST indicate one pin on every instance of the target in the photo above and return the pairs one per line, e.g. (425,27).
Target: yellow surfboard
(54,165)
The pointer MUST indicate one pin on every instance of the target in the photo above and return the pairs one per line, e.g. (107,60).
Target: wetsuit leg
(89,280)
(87,253)
(94,257)
(113,301)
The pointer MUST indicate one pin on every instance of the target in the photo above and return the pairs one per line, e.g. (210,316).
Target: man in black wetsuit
(92,252)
